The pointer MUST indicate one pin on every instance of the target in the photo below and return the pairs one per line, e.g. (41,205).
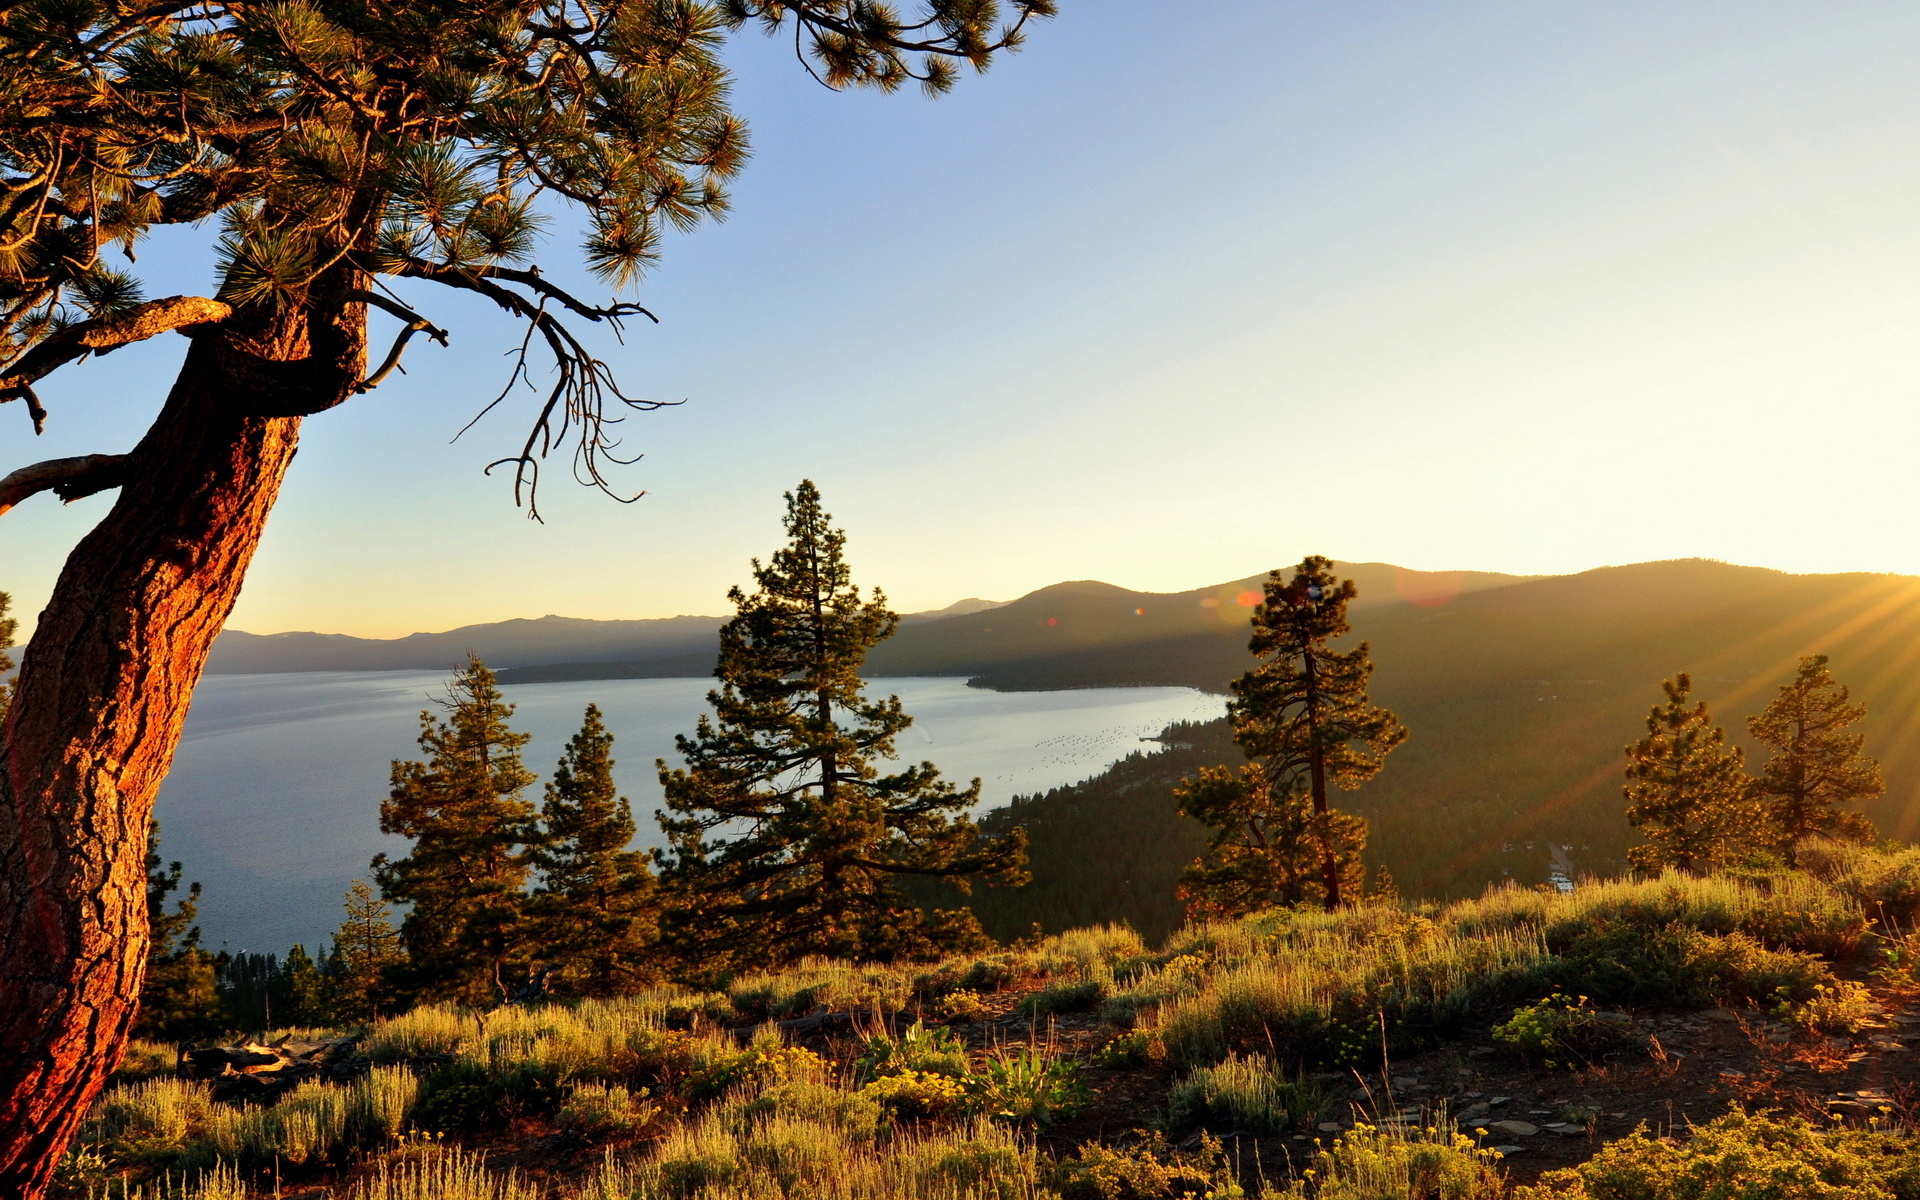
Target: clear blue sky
(1183,292)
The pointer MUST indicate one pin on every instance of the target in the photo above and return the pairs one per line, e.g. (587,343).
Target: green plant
(1132,1048)
(596,1110)
(1430,1163)
(1560,1031)
(960,1007)
(921,1047)
(1076,996)
(914,1095)
(1743,1156)
(1842,1007)
(146,1060)
(1149,1168)
(1244,1095)
(1027,1085)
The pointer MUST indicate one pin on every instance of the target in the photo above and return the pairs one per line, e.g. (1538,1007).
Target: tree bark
(104,689)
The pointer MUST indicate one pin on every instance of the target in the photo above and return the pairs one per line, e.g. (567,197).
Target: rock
(1567,1129)
(1509,1151)
(1517,1128)
(1497,1101)
(1478,1110)
(1724,1015)
(1331,1127)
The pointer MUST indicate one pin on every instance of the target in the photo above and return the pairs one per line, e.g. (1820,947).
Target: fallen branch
(67,478)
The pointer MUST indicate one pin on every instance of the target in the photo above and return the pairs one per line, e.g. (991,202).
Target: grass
(1232,1012)
(1244,1095)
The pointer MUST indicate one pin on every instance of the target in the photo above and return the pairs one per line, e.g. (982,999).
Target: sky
(1180,293)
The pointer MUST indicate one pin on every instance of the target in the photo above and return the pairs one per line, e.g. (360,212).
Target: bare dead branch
(415,323)
(137,324)
(583,389)
(68,478)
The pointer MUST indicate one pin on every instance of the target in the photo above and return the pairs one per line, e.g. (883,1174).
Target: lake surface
(274,798)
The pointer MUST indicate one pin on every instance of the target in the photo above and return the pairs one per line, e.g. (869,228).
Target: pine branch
(137,324)
(68,478)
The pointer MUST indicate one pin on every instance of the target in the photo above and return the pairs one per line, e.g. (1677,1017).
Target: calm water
(274,799)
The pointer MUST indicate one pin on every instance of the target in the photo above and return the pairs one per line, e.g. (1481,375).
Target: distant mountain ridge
(971,637)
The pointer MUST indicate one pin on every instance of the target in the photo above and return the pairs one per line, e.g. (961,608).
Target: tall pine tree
(367,953)
(596,905)
(473,841)
(180,997)
(1687,790)
(1817,765)
(786,839)
(1303,716)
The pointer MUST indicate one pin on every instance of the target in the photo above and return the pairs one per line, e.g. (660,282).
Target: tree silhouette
(1687,790)
(785,838)
(1817,765)
(1302,715)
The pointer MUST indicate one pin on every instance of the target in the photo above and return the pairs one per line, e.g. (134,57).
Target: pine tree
(301,992)
(1687,790)
(473,841)
(367,953)
(1817,766)
(180,997)
(786,838)
(596,906)
(7,628)
(1302,715)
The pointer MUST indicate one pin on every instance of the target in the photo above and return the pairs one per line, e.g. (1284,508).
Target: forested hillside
(1520,700)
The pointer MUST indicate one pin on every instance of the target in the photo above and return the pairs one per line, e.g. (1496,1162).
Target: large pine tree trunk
(104,688)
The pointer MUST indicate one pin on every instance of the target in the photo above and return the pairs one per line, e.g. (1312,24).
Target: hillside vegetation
(1531,1036)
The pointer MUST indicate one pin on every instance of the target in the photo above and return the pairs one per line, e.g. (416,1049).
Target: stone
(1567,1129)
(1724,1015)
(1477,1110)
(1497,1101)
(1331,1127)
(1509,1151)
(1517,1128)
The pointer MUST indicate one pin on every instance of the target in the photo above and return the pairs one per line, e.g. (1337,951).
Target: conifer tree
(786,838)
(596,906)
(1817,765)
(1303,716)
(7,627)
(473,840)
(367,953)
(302,990)
(1687,790)
(180,997)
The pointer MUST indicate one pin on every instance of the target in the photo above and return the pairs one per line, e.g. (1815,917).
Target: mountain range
(1520,691)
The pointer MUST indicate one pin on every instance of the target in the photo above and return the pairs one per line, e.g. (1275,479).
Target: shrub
(1624,963)
(960,1007)
(381,1102)
(596,1111)
(1844,1007)
(1369,1163)
(1559,1031)
(1739,1156)
(1027,1085)
(913,1095)
(922,1047)
(1245,1095)
(1149,1169)
(1078,996)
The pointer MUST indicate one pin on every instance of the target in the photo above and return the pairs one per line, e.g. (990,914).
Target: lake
(274,799)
